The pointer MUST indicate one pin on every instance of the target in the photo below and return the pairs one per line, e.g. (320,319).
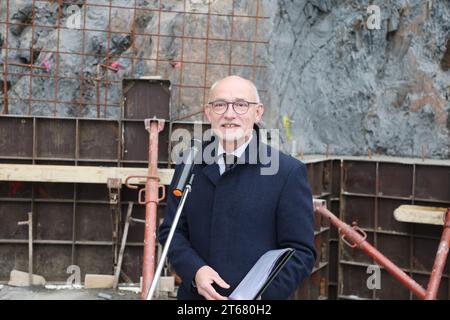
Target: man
(234,213)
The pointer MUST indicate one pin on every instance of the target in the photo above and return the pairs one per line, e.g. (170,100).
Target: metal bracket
(357,229)
(141,192)
(114,185)
(161,122)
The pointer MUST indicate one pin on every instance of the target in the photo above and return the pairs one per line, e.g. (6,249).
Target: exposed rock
(351,88)
(20,19)
(330,78)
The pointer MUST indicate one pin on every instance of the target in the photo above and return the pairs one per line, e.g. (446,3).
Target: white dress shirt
(238,153)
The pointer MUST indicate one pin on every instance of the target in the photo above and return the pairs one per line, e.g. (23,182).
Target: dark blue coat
(229,221)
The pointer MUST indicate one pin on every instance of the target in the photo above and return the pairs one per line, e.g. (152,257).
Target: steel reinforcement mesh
(68,58)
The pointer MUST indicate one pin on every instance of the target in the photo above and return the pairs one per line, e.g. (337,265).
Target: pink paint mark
(176,64)
(46,65)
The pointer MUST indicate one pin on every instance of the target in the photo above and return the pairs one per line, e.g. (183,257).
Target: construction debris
(105,296)
(63,287)
(135,289)
(92,281)
(166,284)
(21,279)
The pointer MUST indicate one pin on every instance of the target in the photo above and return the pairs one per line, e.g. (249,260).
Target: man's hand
(204,278)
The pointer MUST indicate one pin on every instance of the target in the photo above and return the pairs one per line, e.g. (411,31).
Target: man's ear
(207,112)
(259,112)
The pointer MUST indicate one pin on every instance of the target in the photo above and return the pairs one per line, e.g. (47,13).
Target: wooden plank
(94,281)
(420,214)
(76,174)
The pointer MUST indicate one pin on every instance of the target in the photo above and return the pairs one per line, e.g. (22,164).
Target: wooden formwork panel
(94,259)
(16,137)
(13,256)
(92,142)
(432,183)
(51,261)
(74,222)
(146,99)
(55,138)
(359,177)
(53,221)
(10,214)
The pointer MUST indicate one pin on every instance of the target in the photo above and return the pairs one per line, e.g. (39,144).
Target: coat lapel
(212,172)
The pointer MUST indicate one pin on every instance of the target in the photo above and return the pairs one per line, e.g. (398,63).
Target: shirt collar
(238,152)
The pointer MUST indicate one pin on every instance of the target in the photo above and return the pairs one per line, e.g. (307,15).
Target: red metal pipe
(439,262)
(153,126)
(359,241)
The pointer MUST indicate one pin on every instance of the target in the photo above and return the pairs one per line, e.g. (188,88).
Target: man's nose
(230,113)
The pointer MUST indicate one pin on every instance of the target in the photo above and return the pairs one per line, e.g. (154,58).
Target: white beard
(230,136)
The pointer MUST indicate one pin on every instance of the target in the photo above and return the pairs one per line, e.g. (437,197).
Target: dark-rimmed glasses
(239,106)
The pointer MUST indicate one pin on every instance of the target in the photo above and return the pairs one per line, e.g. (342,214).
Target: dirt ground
(42,293)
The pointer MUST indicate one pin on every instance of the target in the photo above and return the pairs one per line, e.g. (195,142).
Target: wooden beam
(76,174)
(420,214)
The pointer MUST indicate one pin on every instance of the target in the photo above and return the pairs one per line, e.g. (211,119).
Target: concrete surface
(41,293)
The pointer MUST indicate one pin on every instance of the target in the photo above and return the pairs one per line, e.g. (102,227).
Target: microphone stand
(186,191)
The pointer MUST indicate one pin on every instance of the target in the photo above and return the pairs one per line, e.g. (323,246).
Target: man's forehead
(233,90)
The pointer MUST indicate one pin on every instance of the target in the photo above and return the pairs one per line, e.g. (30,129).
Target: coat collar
(250,155)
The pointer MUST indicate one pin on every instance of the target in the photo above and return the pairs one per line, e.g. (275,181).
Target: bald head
(235,80)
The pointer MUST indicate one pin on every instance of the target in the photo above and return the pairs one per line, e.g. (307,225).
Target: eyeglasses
(239,106)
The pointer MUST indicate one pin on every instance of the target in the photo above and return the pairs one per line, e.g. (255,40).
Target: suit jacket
(229,221)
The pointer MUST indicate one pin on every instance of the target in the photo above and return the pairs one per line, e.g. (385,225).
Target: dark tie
(229,160)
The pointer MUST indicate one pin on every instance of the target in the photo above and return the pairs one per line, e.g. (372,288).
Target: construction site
(94,95)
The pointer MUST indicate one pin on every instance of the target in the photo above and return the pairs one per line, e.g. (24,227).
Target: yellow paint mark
(287,127)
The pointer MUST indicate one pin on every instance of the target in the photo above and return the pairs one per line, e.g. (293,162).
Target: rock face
(326,78)
(338,83)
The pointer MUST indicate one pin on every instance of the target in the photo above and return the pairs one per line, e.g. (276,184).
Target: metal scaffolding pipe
(439,262)
(358,239)
(153,126)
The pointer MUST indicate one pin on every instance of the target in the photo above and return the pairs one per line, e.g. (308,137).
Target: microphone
(188,166)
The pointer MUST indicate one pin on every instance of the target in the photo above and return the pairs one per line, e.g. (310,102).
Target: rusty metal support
(97,88)
(29,223)
(153,126)
(439,262)
(31,66)
(358,239)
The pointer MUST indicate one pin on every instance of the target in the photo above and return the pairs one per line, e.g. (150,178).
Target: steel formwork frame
(390,185)
(104,77)
(355,237)
(364,192)
(80,142)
